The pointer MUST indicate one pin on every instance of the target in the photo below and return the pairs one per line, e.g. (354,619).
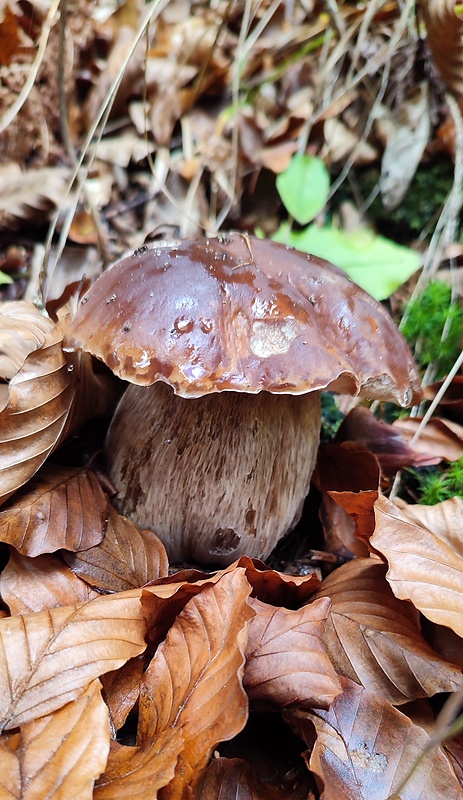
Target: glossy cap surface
(242,314)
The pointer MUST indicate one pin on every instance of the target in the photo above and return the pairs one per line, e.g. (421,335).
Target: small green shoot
(377,264)
(304,187)
(426,318)
(4,278)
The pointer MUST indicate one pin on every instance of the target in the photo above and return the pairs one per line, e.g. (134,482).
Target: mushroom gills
(216,477)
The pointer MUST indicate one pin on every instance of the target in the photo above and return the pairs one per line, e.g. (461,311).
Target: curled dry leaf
(130,770)
(121,689)
(35,584)
(423,567)
(194,682)
(387,442)
(374,639)
(28,194)
(126,558)
(286,659)
(59,508)
(63,753)
(50,396)
(236,779)
(445,39)
(22,329)
(62,650)
(365,748)
(440,439)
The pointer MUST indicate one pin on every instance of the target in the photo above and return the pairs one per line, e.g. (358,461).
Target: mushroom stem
(217,476)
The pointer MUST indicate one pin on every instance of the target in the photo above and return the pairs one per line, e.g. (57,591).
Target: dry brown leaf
(374,639)
(440,439)
(35,584)
(445,40)
(49,397)
(62,650)
(365,748)
(236,779)
(9,770)
(22,329)
(388,443)
(131,770)
(125,559)
(194,681)
(59,508)
(422,567)
(29,194)
(286,659)
(121,689)
(63,753)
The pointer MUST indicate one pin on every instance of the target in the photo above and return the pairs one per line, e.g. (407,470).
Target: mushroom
(227,343)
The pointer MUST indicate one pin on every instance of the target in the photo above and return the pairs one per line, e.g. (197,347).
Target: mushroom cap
(237,313)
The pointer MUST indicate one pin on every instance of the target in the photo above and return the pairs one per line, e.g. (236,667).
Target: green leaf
(304,187)
(377,264)
(4,278)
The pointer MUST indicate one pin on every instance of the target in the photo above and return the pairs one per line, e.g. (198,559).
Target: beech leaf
(195,678)
(35,584)
(424,567)
(365,748)
(50,396)
(131,770)
(63,753)
(22,330)
(126,558)
(62,650)
(374,639)
(286,659)
(59,508)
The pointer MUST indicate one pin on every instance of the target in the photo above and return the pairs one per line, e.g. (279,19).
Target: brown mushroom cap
(236,313)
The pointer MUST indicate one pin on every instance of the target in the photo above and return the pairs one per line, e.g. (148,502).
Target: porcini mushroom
(228,343)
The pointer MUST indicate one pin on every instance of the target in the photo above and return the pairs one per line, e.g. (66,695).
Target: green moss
(426,319)
(331,417)
(436,484)
(419,209)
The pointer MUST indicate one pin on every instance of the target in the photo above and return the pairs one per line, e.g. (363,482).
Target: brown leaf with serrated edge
(126,558)
(9,769)
(22,330)
(62,650)
(267,585)
(236,779)
(63,753)
(441,439)
(50,396)
(194,681)
(35,584)
(286,659)
(423,567)
(365,748)
(445,40)
(60,507)
(131,770)
(374,639)
(121,689)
